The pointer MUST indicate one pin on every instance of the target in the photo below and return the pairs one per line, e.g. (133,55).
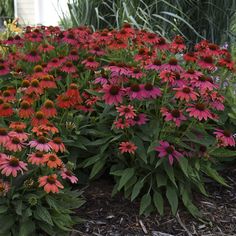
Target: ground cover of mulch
(106,216)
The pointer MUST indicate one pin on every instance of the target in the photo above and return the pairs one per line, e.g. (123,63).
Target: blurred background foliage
(7,8)
(194,19)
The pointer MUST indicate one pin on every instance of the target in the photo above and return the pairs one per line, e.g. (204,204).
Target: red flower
(186,93)
(39,119)
(113,94)
(127,147)
(48,109)
(50,183)
(26,111)
(6,110)
(199,111)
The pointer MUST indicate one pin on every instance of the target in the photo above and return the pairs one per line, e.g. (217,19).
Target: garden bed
(116,216)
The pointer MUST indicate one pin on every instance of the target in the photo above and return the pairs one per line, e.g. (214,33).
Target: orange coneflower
(52,160)
(48,109)
(50,183)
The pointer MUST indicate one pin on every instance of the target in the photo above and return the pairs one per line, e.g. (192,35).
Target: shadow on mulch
(117,216)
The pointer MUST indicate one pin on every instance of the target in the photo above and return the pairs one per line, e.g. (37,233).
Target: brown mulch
(106,216)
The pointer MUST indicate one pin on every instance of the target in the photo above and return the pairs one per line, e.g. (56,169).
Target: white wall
(45,12)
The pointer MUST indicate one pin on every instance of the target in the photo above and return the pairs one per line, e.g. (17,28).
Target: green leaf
(183,162)
(161,180)
(7,221)
(47,228)
(141,151)
(136,189)
(43,214)
(19,208)
(97,167)
(3,209)
(27,228)
(99,142)
(158,202)
(172,198)
(223,152)
(127,175)
(145,202)
(170,172)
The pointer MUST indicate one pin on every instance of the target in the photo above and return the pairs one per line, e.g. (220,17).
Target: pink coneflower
(39,119)
(167,76)
(186,93)
(135,92)
(199,111)
(68,67)
(70,38)
(140,119)
(50,183)
(34,88)
(36,158)
(225,137)
(127,147)
(213,49)
(156,65)
(127,111)
(165,149)
(136,73)
(190,57)
(52,160)
(207,62)
(57,145)
(33,56)
(101,80)
(172,65)
(73,55)
(49,109)
(149,91)
(90,63)
(45,48)
(191,74)
(113,94)
(4,70)
(19,133)
(66,174)
(47,81)
(97,51)
(174,115)
(178,44)
(150,38)
(14,144)
(4,138)
(121,123)
(162,44)
(11,165)
(54,63)
(8,96)
(205,83)
(40,144)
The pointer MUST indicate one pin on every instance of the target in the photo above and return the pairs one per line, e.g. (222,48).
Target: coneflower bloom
(135,92)
(47,128)
(12,165)
(150,38)
(174,115)
(90,63)
(149,91)
(127,111)
(155,65)
(54,63)
(26,110)
(33,56)
(161,44)
(70,38)
(167,76)
(49,109)
(66,174)
(64,101)
(4,138)
(73,55)
(34,88)
(6,110)
(127,147)
(14,144)
(190,57)
(17,125)
(45,48)
(172,65)
(47,81)
(8,96)
(178,44)
(136,73)
(97,51)
(19,133)
(140,119)
(204,83)
(167,150)
(186,93)
(36,158)
(121,123)
(41,144)
(191,74)
(52,160)
(68,67)
(39,119)
(113,94)
(225,137)
(57,145)
(206,62)
(50,183)
(74,94)
(199,111)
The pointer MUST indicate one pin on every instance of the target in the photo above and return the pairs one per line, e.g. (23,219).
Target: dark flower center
(202,148)
(227,133)
(51,180)
(208,59)
(39,115)
(114,90)
(57,140)
(213,46)
(161,41)
(157,62)
(3,131)
(49,104)
(186,90)
(33,53)
(6,93)
(175,113)
(52,158)
(173,62)
(38,68)
(25,83)
(141,51)
(35,83)
(136,70)
(6,106)
(191,71)
(42,140)
(135,88)
(15,140)
(151,36)
(39,154)
(14,162)
(90,59)
(70,36)
(69,64)
(148,87)
(170,149)
(202,78)
(2,67)
(25,105)
(200,106)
